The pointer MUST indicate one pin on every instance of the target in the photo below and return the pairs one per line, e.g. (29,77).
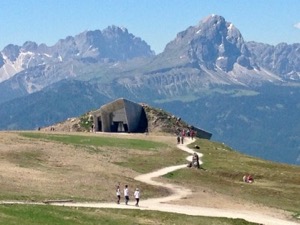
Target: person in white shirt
(126,194)
(118,192)
(137,196)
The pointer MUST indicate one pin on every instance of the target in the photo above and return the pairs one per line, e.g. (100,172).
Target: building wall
(133,115)
(202,133)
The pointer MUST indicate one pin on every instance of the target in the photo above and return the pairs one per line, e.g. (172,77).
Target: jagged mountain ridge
(214,50)
(281,59)
(111,44)
(31,67)
(210,54)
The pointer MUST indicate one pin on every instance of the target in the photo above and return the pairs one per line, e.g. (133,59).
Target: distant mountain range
(246,93)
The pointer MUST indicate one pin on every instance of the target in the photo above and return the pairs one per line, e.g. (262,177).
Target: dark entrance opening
(118,126)
(125,127)
(143,123)
(114,127)
(99,125)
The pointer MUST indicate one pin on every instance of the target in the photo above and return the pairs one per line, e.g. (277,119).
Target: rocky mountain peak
(11,52)
(214,42)
(29,46)
(113,30)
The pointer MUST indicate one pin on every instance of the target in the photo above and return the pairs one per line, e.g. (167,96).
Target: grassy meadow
(38,166)
(50,215)
(275,185)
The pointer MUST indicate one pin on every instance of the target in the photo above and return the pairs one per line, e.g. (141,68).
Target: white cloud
(297,25)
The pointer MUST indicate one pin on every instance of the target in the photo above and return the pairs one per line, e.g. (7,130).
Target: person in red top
(192,134)
(248,179)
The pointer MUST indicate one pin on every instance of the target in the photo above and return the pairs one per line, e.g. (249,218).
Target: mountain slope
(281,59)
(263,124)
(56,103)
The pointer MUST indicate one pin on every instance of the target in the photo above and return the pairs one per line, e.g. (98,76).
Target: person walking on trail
(196,162)
(178,139)
(137,196)
(126,194)
(118,192)
(192,134)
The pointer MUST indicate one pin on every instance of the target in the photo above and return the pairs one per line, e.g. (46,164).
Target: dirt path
(178,192)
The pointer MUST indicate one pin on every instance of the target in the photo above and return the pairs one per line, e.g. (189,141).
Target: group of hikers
(194,163)
(180,140)
(136,195)
(185,133)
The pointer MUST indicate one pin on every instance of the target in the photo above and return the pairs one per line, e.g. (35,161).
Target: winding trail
(178,192)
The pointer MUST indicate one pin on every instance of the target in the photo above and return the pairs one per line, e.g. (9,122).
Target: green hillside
(38,166)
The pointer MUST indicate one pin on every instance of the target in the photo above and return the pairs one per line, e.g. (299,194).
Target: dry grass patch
(40,168)
(220,182)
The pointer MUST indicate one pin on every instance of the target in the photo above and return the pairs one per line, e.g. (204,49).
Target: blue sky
(155,21)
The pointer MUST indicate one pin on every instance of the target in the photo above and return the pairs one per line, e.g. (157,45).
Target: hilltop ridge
(159,121)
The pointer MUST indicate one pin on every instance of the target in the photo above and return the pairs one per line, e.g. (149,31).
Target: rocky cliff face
(282,59)
(213,43)
(111,44)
